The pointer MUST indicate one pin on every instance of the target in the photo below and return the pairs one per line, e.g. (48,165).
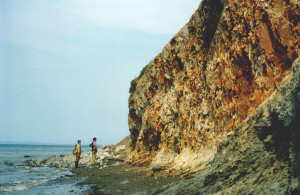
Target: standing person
(93,145)
(77,151)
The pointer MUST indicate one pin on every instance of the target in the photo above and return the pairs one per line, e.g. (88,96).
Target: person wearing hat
(77,151)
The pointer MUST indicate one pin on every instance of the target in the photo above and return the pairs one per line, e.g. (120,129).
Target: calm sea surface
(18,179)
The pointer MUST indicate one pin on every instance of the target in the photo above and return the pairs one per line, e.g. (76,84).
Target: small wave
(12,188)
(20,185)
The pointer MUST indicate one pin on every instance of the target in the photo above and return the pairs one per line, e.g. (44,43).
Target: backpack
(74,150)
(92,146)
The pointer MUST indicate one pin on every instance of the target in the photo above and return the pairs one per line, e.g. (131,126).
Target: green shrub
(133,82)
(141,74)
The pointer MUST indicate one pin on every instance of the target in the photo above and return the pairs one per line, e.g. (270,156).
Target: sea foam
(20,185)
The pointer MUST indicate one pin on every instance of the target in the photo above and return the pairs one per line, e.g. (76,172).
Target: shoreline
(118,178)
(110,175)
(36,170)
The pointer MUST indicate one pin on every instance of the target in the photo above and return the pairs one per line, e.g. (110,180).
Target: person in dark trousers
(77,152)
(94,151)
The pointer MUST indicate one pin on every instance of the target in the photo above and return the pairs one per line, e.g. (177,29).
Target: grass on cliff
(141,74)
(133,82)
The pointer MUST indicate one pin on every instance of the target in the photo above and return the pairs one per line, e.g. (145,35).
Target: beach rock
(55,165)
(9,163)
(27,156)
(38,163)
(31,163)
(67,161)
(188,176)
(124,182)
(150,174)
(159,168)
(120,148)
(117,164)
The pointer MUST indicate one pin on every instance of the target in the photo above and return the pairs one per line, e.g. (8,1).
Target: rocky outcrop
(262,156)
(201,89)
(114,153)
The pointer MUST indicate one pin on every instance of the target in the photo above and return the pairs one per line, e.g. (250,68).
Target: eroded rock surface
(262,156)
(212,75)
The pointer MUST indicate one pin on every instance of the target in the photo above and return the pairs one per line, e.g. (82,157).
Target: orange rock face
(210,77)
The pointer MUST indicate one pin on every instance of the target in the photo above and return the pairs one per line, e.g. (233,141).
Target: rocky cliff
(262,155)
(210,80)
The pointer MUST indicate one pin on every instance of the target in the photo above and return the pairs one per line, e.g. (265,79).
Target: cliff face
(212,75)
(262,156)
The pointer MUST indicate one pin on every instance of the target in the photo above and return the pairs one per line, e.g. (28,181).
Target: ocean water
(15,178)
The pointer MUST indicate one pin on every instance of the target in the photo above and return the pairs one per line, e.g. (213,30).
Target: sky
(66,65)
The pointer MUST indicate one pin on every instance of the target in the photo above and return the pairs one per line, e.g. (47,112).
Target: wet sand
(118,178)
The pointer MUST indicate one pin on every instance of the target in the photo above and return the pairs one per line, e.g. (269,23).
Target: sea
(15,178)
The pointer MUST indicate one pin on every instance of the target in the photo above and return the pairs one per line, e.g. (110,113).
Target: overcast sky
(66,65)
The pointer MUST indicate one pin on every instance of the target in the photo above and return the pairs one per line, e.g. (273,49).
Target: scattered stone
(188,176)
(30,163)
(159,168)
(117,164)
(123,147)
(9,163)
(150,174)
(116,159)
(124,182)
(55,165)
